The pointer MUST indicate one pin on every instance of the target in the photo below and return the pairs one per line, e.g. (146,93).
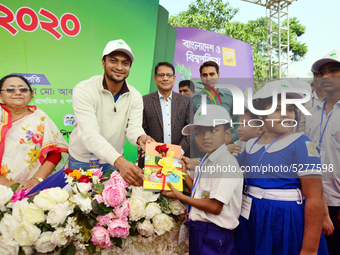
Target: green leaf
(68,250)
(91,248)
(108,174)
(96,208)
(86,231)
(98,188)
(30,200)
(21,251)
(117,241)
(133,232)
(14,187)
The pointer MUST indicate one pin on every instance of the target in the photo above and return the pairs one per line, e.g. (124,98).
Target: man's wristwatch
(39,179)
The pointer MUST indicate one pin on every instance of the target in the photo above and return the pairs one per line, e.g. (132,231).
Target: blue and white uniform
(276,220)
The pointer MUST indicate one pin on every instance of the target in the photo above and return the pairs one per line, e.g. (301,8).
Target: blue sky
(319,17)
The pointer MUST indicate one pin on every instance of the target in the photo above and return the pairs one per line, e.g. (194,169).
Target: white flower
(58,214)
(179,207)
(8,246)
(80,246)
(59,237)
(161,223)
(44,201)
(82,187)
(7,225)
(44,243)
(71,227)
(145,228)
(27,249)
(148,196)
(57,194)
(152,210)
(33,214)
(5,195)
(137,208)
(83,203)
(19,208)
(26,233)
(95,179)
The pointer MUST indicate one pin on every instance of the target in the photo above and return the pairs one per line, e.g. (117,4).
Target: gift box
(161,166)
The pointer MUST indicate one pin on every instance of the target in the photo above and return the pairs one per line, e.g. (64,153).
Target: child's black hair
(260,104)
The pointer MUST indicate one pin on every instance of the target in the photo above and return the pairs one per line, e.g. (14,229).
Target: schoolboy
(323,128)
(215,202)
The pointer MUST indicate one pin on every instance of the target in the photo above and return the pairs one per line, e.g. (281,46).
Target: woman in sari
(30,143)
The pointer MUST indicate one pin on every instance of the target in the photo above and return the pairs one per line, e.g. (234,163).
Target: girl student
(282,210)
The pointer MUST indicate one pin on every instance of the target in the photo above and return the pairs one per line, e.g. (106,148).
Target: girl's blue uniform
(276,227)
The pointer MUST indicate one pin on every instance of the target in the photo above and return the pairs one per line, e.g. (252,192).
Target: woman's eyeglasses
(12,90)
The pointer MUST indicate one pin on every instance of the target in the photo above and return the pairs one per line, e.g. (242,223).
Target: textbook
(161,166)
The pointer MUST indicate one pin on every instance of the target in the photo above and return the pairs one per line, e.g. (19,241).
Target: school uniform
(276,220)
(212,234)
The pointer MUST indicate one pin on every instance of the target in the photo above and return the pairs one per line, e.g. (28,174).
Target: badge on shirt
(205,194)
(311,148)
(337,136)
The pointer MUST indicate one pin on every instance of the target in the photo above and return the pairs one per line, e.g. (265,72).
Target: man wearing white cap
(323,128)
(108,110)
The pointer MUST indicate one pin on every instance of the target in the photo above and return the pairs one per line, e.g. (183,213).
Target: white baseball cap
(215,114)
(267,90)
(333,56)
(118,45)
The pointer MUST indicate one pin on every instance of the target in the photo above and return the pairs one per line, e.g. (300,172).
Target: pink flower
(113,195)
(37,138)
(99,198)
(116,179)
(18,195)
(105,219)
(21,141)
(100,236)
(122,211)
(98,173)
(119,228)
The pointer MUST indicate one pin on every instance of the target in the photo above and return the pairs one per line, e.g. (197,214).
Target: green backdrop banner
(57,44)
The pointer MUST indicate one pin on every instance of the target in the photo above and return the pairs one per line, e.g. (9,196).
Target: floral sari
(25,143)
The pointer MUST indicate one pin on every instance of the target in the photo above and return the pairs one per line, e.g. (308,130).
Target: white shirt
(102,124)
(166,115)
(330,148)
(225,187)
(314,101)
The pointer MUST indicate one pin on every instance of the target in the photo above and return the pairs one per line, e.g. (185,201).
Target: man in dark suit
(166,112)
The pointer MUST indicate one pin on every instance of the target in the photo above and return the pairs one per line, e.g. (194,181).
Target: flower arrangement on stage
(94,214)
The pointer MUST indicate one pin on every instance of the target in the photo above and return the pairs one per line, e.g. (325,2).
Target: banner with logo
(57,44)
(196,46)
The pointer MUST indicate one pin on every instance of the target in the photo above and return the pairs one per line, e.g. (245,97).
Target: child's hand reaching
(185,161)
(174,193)
(235,149)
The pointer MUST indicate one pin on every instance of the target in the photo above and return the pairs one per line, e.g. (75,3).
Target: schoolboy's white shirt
(225,187)
(331,145)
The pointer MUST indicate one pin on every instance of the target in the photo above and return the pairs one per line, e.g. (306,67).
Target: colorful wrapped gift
(161,166)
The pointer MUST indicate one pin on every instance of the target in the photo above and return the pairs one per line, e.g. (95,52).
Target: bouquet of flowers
(95,214)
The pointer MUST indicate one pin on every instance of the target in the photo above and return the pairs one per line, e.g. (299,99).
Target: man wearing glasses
(166,112)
